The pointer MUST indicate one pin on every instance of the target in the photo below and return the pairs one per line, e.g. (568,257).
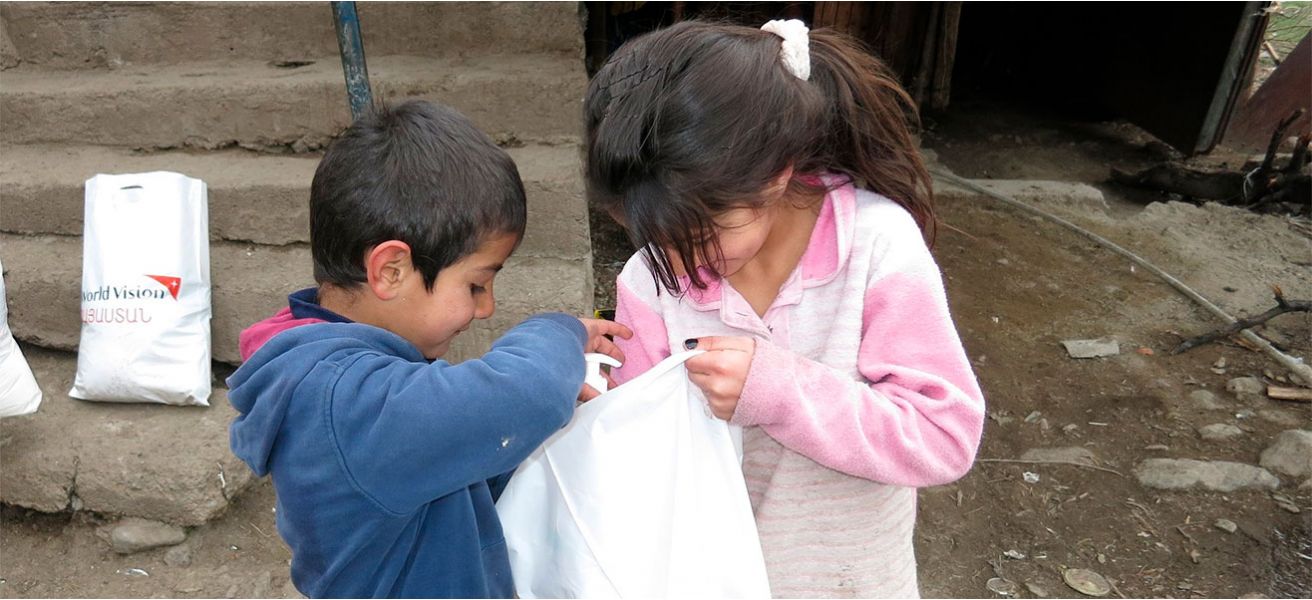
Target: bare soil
(1017,287)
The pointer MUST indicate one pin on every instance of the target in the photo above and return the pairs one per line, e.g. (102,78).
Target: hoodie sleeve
(410,433)
(649,344)
(915,418)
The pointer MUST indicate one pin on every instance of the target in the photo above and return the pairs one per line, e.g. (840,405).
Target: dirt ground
(1017,287)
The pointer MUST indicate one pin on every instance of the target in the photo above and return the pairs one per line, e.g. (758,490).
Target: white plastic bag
(640,496)
(145,291)
(19,393)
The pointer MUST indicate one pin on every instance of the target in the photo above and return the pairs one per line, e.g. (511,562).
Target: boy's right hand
(598,329)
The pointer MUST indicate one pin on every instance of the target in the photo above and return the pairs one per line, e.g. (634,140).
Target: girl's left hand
(722,371)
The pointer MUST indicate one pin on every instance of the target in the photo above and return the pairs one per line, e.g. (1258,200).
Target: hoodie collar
(305,305)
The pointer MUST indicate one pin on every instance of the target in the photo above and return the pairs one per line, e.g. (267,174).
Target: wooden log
(1179,179)
(1288,393)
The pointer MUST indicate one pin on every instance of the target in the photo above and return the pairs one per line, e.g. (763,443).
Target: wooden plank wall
(917,40)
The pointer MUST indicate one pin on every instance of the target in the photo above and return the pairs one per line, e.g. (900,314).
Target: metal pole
(351,45)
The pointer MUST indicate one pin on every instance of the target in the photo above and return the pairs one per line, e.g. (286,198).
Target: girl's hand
(722,371)
(598,329)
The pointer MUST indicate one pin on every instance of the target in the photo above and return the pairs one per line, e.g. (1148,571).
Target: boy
(387,465)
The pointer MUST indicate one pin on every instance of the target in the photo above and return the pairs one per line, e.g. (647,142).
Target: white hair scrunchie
(795,52)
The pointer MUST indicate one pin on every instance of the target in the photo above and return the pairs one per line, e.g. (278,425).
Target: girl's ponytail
(867,134)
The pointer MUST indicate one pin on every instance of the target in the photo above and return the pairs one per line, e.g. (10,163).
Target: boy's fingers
(613,328)
(607,347)
(587,393)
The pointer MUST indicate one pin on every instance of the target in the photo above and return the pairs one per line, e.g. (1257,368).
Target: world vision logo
(130,314)
(172,284)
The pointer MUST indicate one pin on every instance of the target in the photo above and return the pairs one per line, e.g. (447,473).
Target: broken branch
(1299,156)
(1271,50)
(1277,136)
(1282,306)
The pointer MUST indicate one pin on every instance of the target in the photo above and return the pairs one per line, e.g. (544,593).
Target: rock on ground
(1281,417)
(1205,400)
(178,556)
(1221,476)
(1092,348)
(1219,431)
(1291,454)
(1073,454)
(1245,385)
(134,535)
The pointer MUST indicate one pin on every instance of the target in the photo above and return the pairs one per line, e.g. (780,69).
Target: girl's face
(742,233)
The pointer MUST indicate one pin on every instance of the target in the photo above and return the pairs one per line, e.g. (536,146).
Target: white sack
(640,496)
(19,393)
(145,291)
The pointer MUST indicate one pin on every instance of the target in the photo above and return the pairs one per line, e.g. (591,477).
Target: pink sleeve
(650,343)
(915,420)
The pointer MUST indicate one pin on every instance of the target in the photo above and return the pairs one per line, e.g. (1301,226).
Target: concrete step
(264,198)
(258,106)
(166,463)
(251,282)
(84,35)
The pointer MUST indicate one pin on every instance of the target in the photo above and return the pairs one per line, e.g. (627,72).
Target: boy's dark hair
(417,172)
(689,121)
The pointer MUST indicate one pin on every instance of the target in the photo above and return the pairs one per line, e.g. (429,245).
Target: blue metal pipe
(358,93)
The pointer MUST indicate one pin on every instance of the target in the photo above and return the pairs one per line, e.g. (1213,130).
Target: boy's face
(462,293)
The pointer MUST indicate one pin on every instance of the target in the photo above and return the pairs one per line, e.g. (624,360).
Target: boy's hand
(722,371)
(588,393)
(598,329)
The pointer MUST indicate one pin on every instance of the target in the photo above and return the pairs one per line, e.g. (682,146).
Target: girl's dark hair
(418,172)
(687,122)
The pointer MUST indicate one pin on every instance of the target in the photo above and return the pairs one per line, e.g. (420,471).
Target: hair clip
(795,51)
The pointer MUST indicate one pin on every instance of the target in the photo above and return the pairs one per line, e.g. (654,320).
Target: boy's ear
(387,265)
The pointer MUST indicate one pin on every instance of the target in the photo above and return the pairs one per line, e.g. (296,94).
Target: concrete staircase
(243,96)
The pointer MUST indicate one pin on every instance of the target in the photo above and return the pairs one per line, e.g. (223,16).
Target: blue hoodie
(387,466)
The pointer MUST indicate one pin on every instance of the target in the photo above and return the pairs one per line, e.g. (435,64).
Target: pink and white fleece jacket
(859,392)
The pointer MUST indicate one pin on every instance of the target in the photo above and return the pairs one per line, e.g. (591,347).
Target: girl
(771,182)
